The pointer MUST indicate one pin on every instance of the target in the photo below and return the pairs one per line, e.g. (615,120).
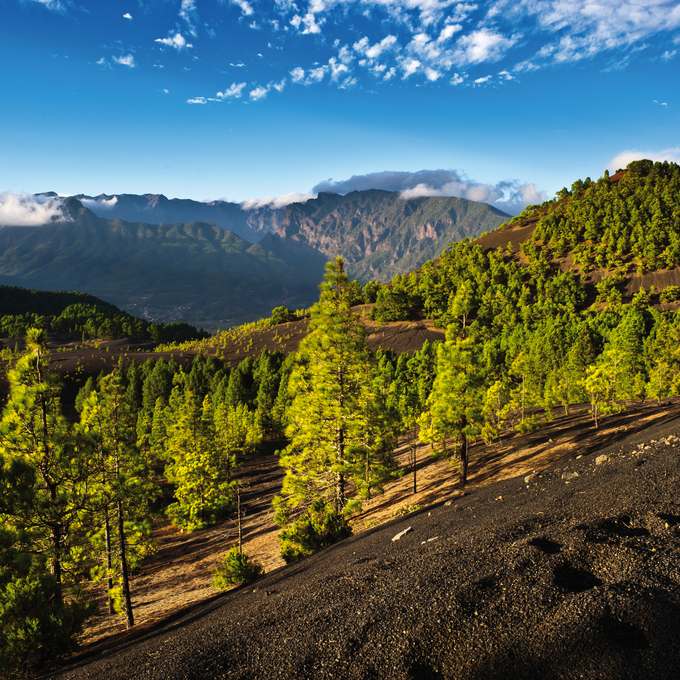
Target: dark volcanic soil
(572,573)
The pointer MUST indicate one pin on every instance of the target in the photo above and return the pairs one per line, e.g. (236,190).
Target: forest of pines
(529,331)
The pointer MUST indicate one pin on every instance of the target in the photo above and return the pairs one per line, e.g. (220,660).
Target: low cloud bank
(27,210)
(97,204)
(509,196)
(276,201)
(622,160)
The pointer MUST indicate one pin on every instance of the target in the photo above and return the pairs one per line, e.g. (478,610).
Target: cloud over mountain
(510,196)
(27,210)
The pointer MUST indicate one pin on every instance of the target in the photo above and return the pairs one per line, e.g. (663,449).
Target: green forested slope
(549,323)
(190,271)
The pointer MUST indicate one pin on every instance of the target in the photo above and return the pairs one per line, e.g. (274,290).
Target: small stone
(530,478)
(568,476)
(402,533)
(446,505)
(601,459)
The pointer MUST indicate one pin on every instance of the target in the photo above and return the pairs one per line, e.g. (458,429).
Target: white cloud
(510,196)
(458,79)
(27,210)
(409,66)
(374,51)
(276,201)
(482,46)
(127,60)
(55,5)
(297,74)
(197,100)
(99,204)
(625,157)
(258,93)
(481,81)
(127,15)
(245,7)
(308,21)
(668,55)
(189,14)
(317,74)
(178,41)
(584,28)
(279,86)
(234,90)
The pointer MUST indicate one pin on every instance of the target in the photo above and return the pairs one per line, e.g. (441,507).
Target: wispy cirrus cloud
(189,15)
(56,5)
(28,210)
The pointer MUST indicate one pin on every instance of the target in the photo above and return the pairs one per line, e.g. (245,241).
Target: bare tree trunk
(122,556)
(109,574)
(240,523)
(414,449)
(463,459)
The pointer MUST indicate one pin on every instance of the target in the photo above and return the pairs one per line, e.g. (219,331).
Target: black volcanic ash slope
(572,573)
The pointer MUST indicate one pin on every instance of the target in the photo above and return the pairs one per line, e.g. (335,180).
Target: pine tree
(457,397)
(331,386)
(123,487)
(34,431)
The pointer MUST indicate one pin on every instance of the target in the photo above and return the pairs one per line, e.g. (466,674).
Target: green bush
(35,627)
(317,528)
(234,568)
(282,315)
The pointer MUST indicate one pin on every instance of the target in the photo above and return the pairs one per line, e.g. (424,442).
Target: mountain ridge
(378,233)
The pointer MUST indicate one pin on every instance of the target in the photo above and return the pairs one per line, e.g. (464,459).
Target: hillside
(172,272)
(378,233)
(545,359)
(568,573)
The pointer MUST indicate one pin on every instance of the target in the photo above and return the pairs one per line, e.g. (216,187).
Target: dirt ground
(179,575)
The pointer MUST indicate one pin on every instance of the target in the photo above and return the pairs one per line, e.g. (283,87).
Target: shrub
(317,528)
(35,627)
(236,568)
(282,315)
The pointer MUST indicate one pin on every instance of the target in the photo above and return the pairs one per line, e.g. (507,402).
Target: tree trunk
(240,523)
(122,557)
(109,573)
(55,542)
(414,449)
(463,459)
(339,492)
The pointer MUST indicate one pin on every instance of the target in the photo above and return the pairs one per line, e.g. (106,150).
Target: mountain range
(217,264)
(378,233)
(171,272)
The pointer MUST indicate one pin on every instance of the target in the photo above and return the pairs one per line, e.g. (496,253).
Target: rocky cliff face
(379,234)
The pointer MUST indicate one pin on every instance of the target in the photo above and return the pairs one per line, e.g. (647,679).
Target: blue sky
(239,99)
